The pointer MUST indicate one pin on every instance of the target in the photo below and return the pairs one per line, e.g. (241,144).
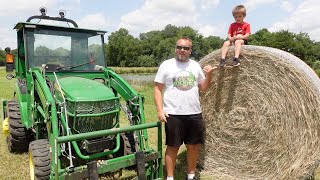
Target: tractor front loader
(66,107)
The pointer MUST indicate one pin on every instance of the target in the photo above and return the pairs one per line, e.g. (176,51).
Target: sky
(208,17)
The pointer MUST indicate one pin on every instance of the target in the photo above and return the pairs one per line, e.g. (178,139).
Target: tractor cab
(60,48)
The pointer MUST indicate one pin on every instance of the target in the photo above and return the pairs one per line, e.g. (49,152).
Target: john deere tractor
(67,103)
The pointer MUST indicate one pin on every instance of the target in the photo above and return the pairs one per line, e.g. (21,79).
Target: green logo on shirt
(184,80)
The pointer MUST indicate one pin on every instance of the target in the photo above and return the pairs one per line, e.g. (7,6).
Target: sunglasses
(186,48)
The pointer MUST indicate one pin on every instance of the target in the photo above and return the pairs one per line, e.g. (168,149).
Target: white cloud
(303,19)
(156,14)
(94,21)
(209,30)
(29,8)
(14,7)
(252,4)
(287,6)
(209,4)
(8,39)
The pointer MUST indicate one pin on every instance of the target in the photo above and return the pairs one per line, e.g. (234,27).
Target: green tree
(132,51)
(149,41)
(146,61)
(123,48)
(61,52)
(164,50)
(214,42)
(261,37)
(43,51)
(170,31)
(2,57)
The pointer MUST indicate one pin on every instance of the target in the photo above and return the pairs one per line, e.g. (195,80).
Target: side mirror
(10,76)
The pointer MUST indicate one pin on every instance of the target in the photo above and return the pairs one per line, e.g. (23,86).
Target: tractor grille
(92,107)
(90,124)
(92,116)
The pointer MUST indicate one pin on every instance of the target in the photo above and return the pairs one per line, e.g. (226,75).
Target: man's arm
(158,87)
(208,73)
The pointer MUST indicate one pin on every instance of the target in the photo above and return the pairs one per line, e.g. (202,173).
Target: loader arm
(47,109)
(134,102)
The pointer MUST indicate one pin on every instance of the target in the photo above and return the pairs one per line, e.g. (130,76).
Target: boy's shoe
(235,62)
(222,63)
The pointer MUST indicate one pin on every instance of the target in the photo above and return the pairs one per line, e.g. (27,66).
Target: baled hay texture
(262,118)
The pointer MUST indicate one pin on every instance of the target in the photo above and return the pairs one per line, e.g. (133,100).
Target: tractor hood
(82,89)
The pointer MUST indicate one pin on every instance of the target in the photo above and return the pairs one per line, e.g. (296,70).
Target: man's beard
(182,58)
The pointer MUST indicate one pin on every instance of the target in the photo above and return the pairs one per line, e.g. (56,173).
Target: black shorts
(187,129)
(245,41)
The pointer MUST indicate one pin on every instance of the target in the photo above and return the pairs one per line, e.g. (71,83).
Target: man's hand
(162,116)
(209,69)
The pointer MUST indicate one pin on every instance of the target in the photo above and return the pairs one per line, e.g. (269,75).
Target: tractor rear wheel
(39,159)
(19,137)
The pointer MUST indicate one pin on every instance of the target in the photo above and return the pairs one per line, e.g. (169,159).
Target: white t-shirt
(181,80)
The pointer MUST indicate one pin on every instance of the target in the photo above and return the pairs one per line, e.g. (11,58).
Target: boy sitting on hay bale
(238,34)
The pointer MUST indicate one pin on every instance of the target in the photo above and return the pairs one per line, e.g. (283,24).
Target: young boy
(238,34)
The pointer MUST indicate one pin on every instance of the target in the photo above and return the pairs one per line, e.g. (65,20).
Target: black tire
(39,159)
(127,144)
(19,137)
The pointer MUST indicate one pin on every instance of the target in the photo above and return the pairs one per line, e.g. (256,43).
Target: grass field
(16,166)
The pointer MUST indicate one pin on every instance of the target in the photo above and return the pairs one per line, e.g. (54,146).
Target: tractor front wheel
(19,136)
(39,159)
(127,144)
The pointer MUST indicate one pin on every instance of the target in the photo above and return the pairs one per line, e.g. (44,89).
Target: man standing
(181,79)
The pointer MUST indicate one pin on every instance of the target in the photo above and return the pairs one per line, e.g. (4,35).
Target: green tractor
(66,107)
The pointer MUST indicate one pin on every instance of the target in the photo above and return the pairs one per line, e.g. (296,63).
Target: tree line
(153,47)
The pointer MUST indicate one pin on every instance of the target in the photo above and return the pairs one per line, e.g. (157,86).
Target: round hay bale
(262,118)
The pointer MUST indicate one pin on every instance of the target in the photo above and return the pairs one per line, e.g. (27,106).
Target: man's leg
(192,157)
(171,156)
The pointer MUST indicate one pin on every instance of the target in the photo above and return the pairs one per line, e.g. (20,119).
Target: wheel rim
(31,166)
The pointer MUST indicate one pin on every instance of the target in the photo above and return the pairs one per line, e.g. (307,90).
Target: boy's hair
(239,9)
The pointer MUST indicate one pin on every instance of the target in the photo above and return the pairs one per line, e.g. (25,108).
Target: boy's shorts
(187,129)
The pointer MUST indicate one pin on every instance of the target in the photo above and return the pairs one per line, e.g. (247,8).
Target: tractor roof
(22,25)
